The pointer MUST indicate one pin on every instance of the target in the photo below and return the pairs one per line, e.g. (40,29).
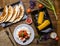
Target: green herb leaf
(22,34)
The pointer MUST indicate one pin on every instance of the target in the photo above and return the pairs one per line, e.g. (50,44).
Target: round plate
(18,28)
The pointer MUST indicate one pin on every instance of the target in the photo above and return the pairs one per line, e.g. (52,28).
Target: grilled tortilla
(3,16)
(14,14)
(21,8)
(10,13)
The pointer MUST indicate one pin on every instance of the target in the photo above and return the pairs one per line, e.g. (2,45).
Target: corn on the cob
(40,17)
(44,24)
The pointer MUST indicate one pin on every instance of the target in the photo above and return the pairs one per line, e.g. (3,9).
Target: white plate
(18,28)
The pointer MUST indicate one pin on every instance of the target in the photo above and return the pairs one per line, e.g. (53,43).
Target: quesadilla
(10,13)
(14,14)
(3,16)
(21,8)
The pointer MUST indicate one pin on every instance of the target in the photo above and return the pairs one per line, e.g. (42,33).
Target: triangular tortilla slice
(21,14)
(17,13)
(10,13)
(14,14)
(3,16)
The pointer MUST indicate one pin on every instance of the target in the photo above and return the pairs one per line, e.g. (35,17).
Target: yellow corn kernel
(44,24)
(40,17)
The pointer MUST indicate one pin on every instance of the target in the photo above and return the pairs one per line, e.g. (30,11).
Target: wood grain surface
(4,39)
(34,43)
(56,24)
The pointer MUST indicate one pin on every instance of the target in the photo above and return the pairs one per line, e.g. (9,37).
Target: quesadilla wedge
(14,14)
(10,13)
(3,16)
(21,8)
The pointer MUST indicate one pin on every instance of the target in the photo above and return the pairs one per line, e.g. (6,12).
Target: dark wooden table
(56,24)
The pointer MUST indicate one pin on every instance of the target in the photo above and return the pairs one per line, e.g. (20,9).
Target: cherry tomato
(28,10)
(40,6)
